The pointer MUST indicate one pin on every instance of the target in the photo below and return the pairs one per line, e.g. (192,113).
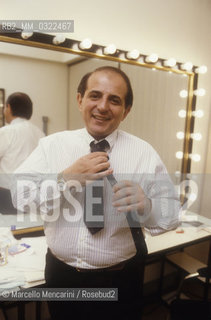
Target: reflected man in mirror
(17,140)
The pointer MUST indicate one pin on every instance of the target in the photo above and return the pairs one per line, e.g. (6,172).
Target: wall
(46,84)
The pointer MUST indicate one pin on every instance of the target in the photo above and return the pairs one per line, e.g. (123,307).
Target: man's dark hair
(129,95)
(21,105)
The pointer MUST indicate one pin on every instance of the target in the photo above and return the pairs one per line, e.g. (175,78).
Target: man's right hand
(92,166)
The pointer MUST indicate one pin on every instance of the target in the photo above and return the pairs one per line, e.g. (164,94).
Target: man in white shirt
(134,180)
(20,137)
(17,141)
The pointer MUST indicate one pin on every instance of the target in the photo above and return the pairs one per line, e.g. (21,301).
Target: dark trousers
(129,282)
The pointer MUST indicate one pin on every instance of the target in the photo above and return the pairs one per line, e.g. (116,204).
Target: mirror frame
(45,41)
(2,102)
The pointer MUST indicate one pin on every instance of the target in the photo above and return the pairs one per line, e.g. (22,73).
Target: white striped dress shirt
(131,159)
(17,141)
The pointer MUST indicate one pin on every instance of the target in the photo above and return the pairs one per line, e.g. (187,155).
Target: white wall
(46,84)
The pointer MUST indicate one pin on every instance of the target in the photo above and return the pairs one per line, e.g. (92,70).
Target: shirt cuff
(164,214)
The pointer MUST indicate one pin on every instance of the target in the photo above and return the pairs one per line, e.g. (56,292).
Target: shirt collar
(111,138)
(17,120)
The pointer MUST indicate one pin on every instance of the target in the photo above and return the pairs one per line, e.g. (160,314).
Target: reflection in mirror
(50,75)
(44,79)
(134,57)
(51,78)
(73,47)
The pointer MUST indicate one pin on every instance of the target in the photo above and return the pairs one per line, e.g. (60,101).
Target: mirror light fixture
(85,44)
(26,35)
(198,113)
(200,92)
(110,49)
(180,135)
(171,62)
(59,38)
(182,113)
(195,157)
(183,93)
(196,136)
(133,54)
(152,58)
(179,154)
(201,70)
(188,66)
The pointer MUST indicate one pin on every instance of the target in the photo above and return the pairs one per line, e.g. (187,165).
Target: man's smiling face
(103,104)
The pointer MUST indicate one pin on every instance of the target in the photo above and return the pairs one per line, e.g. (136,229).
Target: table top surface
(172,239)
(159,244)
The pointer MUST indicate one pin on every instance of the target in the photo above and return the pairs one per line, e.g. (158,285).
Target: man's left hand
(129,196)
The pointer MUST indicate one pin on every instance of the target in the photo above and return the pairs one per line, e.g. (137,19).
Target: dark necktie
(134,224)
(97,192)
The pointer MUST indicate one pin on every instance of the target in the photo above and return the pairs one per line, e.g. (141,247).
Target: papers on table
(27,266)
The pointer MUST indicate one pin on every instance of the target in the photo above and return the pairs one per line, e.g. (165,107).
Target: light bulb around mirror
(195,157)
(171,62)
(59,38)
(180,135)
(188,66)
(182,113)
(198,113)
(152,58)
(26,35)
(201,70)
(134,54)
(183,93)
(179,154)
(200,92)
(196,136)
(110,49)
(85,44)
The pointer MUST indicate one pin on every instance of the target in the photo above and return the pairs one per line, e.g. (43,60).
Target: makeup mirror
(163,93)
